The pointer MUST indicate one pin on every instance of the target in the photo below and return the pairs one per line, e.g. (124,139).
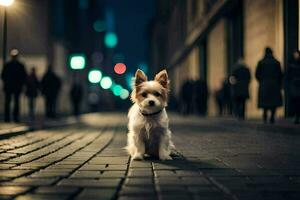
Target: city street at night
(214,159)
(150,99)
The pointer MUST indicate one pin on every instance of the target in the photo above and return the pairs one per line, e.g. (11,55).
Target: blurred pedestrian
(186,97)
(201,95)
(223,98)
(239,80)
(219,97)
(293,78)
(50,84)
(269,76)
(13,77)
(32,88)
(76,97)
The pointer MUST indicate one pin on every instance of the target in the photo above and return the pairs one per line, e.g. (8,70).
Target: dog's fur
(148,120)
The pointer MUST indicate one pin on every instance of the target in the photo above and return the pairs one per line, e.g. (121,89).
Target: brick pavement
(86,161)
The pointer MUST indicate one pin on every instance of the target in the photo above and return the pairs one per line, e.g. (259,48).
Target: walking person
(186,97)
(201,95)
(13,77)
(269,76)
(76,97)
(293,78)
(239,81)
(50,89)
(32,87)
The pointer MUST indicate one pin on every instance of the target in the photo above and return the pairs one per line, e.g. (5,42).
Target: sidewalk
(87,161)
(8,130)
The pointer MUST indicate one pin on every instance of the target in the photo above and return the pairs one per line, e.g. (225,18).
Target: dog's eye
(144,94)
(156,94)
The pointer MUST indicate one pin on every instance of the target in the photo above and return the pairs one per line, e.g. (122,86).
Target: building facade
(204,39)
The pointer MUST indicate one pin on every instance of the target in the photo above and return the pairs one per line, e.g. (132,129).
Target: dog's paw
(165,157)
(137,156)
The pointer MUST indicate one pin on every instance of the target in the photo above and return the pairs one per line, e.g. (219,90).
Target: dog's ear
(140,77)
(162,78)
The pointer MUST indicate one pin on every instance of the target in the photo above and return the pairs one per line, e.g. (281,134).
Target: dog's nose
(151,103)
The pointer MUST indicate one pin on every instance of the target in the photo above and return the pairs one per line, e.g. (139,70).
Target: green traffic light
(110,40)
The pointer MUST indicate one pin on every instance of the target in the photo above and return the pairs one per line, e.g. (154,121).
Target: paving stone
(13,173)
(110,183)
(139,181)
(12,190)
(90,167)
(162,173)
(136,198)
(137,191)
(31,181)
(186,173)
(98,174)
(138,164)
(99,193)
(167,189)
(41,197)
(6,166)
(109,160)
(56,190)
(140,173)
(175,196)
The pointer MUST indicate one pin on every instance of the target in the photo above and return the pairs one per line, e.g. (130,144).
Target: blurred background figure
(219,97)
(13,77)
(269,76)
(201,94)
(32,88)
(293,79)
(76,97)
(186,97)
(51,85)
(223,98)
(239,81)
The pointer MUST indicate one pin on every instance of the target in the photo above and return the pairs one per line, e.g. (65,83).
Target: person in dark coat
(219,97)
(76,97)
(201,95)
(50,84)
(293,78)
(14,78)
(269,76)
(186,96)
(32,88)
(240,79)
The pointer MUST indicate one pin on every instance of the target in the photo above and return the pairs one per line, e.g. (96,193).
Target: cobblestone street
(86,161)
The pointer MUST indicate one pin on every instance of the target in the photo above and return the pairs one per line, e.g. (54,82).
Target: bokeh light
(124,94)
(128,79)
(97,58)
(95,76)
(120,68)
(143,66)
(77,61)
(99,26)
(117,90)
(6,2)
(106,82)
(110,40)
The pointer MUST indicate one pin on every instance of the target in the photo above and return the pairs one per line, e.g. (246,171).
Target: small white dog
(148,120)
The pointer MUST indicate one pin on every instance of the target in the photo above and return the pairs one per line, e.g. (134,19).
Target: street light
(5,3)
